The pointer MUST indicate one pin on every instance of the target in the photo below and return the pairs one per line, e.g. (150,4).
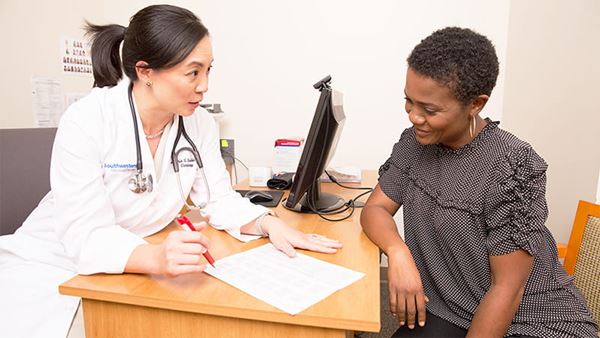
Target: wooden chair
(582,255)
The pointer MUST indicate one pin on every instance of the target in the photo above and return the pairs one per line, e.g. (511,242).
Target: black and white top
(484,199)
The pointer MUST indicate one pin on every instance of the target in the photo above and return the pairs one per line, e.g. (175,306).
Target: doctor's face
(180,89)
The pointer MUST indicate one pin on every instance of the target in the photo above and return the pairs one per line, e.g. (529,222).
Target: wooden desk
(198,305)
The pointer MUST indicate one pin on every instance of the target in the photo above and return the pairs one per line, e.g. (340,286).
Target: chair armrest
(562,250)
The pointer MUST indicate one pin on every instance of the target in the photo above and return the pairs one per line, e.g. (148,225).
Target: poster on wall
(47,100)
(75,55)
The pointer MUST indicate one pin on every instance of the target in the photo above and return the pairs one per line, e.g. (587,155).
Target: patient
(477,260)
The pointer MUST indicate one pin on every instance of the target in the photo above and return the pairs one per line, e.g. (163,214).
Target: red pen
(187,224)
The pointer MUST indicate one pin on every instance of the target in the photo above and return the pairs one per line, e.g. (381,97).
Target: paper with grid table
(289,284)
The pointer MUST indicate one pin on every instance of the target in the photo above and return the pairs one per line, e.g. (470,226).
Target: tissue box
(286,154)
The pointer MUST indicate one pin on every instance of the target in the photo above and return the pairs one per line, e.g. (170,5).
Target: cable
(224,155)
(230,155)
(242,163)
(355,199)
(349,205)
(334,180)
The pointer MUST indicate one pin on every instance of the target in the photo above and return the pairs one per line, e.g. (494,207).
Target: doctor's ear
(143,71)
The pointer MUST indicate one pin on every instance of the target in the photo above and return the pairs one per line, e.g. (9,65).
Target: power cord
(234,159)
(334,180)
(349,205)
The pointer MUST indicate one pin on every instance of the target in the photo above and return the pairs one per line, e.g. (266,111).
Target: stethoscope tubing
(174,157)
(138,150)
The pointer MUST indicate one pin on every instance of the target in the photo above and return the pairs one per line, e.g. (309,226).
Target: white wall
(269,53)
(551,97)
(598,191)
(267,56)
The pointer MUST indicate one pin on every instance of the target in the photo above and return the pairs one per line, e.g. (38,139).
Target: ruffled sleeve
(516,208)
(393,172)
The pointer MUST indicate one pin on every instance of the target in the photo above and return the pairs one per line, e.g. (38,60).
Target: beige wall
(549,52)
(268,53)
(30,48)
(551,97)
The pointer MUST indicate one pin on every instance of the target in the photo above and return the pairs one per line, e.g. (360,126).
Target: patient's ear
(477,104)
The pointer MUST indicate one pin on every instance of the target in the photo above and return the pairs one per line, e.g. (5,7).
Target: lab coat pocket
(116,178)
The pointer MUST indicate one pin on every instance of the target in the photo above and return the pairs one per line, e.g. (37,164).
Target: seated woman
(477,259)
(110,187)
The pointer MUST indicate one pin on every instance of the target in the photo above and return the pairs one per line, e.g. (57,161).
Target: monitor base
(325,203)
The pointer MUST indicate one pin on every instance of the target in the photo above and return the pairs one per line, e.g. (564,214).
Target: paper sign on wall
(47,100)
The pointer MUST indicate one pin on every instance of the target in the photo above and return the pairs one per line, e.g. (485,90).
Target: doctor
(113,181)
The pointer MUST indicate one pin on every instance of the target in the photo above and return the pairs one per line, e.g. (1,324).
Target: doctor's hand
(407,298)
(181,252)
(286,238)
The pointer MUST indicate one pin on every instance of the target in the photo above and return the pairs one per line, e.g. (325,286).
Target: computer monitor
(328,121)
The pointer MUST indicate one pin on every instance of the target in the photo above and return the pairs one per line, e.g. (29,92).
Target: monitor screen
(328,121)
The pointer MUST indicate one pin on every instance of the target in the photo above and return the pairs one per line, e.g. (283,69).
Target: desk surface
(355,307)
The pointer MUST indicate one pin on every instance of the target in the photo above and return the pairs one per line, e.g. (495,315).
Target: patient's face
(438,117)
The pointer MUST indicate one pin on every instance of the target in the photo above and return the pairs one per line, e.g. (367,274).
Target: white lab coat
(90,222)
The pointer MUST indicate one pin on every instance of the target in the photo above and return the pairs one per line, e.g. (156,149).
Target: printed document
(289,284)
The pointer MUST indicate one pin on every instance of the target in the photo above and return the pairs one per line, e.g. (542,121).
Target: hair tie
(124,31)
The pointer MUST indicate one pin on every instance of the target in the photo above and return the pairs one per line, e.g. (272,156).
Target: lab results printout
(289,284)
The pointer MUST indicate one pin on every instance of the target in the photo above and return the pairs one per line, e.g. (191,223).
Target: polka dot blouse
(484,199)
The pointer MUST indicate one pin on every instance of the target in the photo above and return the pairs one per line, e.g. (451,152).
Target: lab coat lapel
(167,166)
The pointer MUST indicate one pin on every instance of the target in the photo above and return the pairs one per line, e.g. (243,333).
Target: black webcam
(323,83)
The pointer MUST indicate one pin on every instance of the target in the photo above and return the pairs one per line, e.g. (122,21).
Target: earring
(149,83)
(472,126)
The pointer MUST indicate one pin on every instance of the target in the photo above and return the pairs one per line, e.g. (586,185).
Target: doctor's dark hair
(459,58)
(160,35)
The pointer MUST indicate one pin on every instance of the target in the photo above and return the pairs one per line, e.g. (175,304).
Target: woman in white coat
(98,211)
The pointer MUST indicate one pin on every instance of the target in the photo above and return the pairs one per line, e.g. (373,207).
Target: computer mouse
(258,196)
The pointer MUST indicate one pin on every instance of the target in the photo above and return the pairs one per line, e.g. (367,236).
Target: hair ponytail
(106,61)
(160,35)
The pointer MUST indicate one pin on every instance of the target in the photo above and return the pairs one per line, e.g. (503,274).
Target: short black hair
(459,58)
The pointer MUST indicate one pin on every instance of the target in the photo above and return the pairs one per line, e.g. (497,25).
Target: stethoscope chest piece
(140,183)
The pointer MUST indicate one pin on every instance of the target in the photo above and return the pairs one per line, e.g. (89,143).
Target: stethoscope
(140,183)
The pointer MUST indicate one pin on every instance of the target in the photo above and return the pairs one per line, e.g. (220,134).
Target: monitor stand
(321,201)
